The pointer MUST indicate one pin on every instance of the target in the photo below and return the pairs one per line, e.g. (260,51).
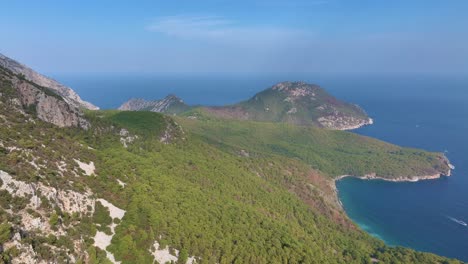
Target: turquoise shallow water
(418,215)
(429,112)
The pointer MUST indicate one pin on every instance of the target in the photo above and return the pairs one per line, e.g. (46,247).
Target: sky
(256,36)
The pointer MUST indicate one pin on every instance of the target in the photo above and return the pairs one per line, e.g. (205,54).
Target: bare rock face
(343,122)
(41,102)
(134,104)
(49,108)
(67,93)
(171,104)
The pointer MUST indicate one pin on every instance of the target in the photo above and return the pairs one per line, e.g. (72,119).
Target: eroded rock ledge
(373,176)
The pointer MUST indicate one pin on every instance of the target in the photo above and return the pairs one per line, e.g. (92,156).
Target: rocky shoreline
(373,176)
(367,122)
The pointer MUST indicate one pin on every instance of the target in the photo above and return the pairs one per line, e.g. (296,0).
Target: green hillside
(224,206)
(296,103)
(215,191)
(332,152)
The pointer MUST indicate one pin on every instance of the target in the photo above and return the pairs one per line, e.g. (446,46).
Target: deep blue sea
(422,111)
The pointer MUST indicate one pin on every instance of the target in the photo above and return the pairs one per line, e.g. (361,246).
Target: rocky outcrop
(28,97)
(35,218)
(135,104)
(172,132)
(339,122)
(70,96)
(435,174)
(170,104)
(373,176)
(66,200)
(49,108)
(126,138)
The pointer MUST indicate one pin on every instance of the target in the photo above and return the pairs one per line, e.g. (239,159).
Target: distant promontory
(296,103)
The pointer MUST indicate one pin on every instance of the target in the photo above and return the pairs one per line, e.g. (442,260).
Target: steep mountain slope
(297,103)
(43,102)
(171,104)
(67,93)
(47,211)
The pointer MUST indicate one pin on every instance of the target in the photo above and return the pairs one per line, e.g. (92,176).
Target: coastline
(373,176)
(367,122)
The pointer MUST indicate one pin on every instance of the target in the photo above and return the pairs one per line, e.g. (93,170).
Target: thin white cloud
(299,4)
(190,26)
(211,43)
(215,28)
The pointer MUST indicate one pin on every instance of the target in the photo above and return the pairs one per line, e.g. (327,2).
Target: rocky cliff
(171,104)
(32,99)
(70,96)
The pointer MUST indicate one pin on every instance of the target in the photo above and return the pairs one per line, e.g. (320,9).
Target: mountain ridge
(297,103)
(28,97)
(171,104)
(66,92)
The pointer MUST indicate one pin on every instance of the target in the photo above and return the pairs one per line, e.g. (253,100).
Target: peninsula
(202,186)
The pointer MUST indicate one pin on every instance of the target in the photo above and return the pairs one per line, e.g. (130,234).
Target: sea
(428,111)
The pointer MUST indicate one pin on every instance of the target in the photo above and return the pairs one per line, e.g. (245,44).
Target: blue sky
(257,36)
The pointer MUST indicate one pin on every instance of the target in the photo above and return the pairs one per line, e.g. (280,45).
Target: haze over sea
(423,111)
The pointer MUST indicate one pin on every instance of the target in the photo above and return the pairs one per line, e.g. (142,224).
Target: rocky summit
(171,104)
(297,103)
